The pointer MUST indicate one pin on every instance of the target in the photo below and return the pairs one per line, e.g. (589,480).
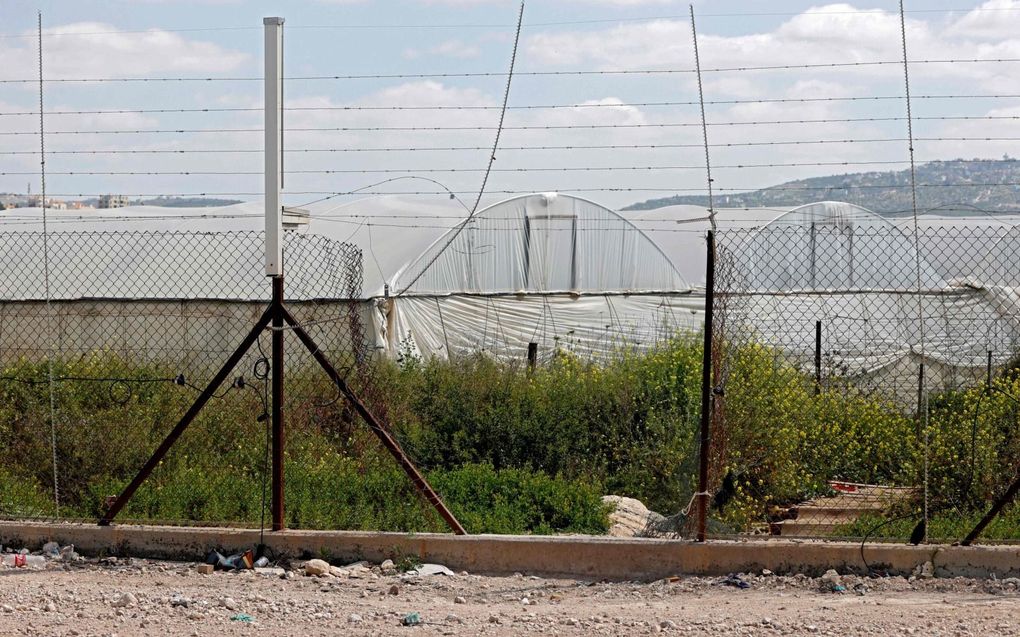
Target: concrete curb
(584,557)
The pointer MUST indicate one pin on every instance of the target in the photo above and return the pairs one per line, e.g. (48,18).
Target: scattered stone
(454,619)
(228,603)
(316,568)
(125,600)
(570,621)
(667,624)
(394,590)
(926,570)
(270,571)
(179,601)
(459,600)
(630,517)
(51,607)
(832,578)
(388,567)
(354,618)
(526,601)
(494,619)
(7,608)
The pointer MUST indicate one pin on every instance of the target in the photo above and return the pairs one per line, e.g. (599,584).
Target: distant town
(14,200)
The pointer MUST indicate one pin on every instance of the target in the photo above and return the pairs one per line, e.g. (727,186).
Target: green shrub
(510,451)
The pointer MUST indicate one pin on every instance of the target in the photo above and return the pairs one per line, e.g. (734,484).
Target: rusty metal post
(997,507)
(532,356)
(375,425)
(706,391)
(818,357)
(279,442)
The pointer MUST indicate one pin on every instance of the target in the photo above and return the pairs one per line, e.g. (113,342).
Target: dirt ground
(141,597)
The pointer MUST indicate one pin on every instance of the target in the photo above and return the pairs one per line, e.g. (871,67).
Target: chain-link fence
(107,338)
(864,379)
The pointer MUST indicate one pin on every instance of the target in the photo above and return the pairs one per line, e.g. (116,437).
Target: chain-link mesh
(852,379)
(128,328)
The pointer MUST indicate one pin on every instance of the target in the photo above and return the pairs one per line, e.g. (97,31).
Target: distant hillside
(987,184)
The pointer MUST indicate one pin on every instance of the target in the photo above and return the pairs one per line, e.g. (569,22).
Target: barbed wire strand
(556,73)
(475,107)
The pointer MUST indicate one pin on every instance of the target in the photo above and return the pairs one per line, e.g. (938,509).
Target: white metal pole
(273,106)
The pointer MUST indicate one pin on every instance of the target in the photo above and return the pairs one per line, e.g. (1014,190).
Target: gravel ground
(142,597)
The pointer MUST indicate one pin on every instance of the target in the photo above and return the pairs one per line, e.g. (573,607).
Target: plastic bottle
(17,560)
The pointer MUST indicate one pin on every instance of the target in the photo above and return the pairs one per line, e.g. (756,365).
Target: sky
(612,137)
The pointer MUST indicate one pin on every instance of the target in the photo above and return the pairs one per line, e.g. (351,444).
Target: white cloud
(94,49)
(993,20)
(450,48)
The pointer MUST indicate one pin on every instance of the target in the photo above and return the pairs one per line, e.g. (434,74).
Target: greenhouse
(543,273)
(882,307)
(552,270)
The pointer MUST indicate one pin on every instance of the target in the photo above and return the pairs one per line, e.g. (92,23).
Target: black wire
(875,528)
(261,370)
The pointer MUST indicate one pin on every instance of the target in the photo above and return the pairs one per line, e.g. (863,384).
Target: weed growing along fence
(513,451)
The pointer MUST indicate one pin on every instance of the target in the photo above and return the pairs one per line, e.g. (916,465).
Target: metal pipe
(375,425)
(279,441)
(185,420)
(273,30)
(706,390)
(818,357)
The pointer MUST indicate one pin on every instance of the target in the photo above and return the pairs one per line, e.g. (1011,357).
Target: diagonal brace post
(388,441)
(997,507)
(188,417)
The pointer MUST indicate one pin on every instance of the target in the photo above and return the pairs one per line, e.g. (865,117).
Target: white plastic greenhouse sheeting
(680,232)
(502,326)
(527,246)
(565,272)
(878,330)
(390,230)
(541,243)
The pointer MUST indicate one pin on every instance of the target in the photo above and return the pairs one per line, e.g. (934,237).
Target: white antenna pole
(273,106)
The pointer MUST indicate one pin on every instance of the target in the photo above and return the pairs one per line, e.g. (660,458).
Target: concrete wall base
(582,557)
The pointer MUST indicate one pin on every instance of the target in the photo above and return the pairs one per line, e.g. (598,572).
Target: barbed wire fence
(596,157)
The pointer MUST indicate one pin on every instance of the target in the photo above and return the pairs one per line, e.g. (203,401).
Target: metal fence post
(706,390)
(818,357)
(279,440)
